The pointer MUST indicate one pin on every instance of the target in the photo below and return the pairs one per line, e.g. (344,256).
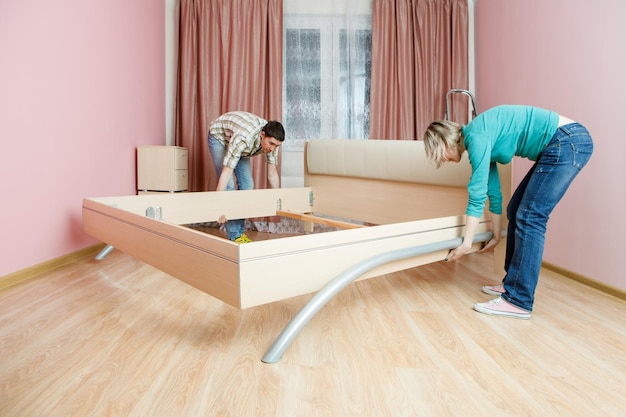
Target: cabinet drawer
(181,180)
(180,158)
(162,180)
(165,157)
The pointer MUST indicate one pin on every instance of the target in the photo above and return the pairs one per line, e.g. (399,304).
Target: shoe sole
(489,291)
(481,309)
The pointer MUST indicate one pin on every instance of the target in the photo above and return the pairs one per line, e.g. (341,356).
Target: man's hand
(225,176)
(272,176)
(222,219)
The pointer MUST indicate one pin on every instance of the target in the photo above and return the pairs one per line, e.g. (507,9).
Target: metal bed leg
(104,252)
(293,328)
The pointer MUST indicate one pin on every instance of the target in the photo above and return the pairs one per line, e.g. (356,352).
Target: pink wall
(567,55)
(81,85)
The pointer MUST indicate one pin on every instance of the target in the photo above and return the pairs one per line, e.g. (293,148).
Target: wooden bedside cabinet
(162,169)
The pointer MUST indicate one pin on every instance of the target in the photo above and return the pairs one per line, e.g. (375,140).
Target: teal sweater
(496,136)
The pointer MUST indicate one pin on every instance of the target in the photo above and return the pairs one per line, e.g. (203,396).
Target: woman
(560,148)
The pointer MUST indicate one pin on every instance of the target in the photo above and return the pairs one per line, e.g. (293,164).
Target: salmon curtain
(419,53)
(229,58)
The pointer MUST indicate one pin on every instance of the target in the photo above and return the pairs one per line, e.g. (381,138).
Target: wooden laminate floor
(119,338)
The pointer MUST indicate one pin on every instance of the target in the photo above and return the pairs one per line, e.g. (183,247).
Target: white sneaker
(500,307)
(494,289)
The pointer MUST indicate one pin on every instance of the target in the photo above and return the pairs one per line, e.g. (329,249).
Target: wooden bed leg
(293,328)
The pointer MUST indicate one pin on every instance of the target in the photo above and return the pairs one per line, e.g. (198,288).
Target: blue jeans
(243,174)
(532,202)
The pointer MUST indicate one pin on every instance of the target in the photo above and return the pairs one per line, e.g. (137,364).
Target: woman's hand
(490,244)
(458,252)
(222,219)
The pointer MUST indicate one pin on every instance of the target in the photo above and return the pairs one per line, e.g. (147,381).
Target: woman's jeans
(528,211)
(243,174)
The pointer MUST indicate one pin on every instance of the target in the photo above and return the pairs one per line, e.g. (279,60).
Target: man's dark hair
(275,130)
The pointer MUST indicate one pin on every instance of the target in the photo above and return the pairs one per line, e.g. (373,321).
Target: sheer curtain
(420,52)
(327,69)
(229,58)
(326,84)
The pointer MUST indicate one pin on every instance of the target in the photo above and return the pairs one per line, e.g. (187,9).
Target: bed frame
(382,195)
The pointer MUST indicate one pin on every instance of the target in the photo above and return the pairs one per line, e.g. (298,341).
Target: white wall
(171,47)
(326,6)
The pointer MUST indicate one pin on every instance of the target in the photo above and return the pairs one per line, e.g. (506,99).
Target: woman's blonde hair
(440,135)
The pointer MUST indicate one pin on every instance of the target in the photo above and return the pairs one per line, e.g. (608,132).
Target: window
(326,77)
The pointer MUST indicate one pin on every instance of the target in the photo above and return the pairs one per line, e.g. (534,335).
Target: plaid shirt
(240,133)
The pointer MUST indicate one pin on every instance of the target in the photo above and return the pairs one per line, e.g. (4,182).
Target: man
(234,138)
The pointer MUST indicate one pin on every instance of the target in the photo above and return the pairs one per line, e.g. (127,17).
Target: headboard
(388,160)
(382,181)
